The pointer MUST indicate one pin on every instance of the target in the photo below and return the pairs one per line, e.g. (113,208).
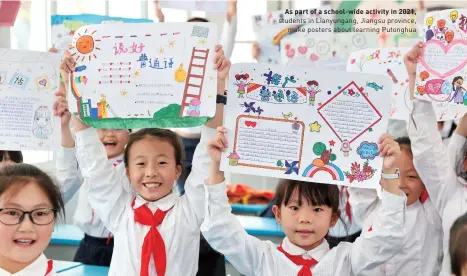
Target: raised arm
(67,173)
(388,234)
(456,144)
(429,152)
(106,193)
(229,29)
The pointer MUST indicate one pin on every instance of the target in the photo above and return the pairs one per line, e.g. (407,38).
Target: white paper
(28,82)
(281,124)
(442,69)
(196,5)
(327,50)
(390,62)
(134,71)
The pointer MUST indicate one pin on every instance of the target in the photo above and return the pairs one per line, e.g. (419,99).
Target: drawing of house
(233,159)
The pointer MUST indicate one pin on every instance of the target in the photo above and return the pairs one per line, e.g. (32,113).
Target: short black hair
(458,244)
(198,19)
(15,156)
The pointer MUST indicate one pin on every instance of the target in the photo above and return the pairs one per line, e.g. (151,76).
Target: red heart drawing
(454,60)
(250,124)
(290,53)
(314,57)
(434,87)
(43,82)
(302,50)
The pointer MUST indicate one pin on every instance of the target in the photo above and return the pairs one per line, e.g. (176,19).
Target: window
(245,35)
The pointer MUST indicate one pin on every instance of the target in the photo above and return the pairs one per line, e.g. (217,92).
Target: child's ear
(277,213)
(335,218)
(127,172)
(178,171)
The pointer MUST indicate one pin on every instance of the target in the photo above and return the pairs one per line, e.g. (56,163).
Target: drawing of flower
(355,173)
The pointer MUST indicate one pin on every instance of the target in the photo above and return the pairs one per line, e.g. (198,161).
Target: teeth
(152,185)
(24,241)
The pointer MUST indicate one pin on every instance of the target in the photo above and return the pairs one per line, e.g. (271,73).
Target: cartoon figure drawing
(242,84)
(312,89)
(193,109)
(458,96)
(345,148)
(42,125)
(265,94)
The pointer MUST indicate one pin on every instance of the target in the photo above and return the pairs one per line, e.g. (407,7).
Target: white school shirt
(422,253)
(251,256)
(112,203)
(36,268)
(70,181)
(433,162)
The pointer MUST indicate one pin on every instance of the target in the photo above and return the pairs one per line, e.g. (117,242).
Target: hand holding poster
(144,75)
(290,123)
(443,66)
(28,82)
(390,62)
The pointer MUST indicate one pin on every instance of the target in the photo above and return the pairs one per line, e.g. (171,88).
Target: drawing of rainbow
(332,169)
(287,31)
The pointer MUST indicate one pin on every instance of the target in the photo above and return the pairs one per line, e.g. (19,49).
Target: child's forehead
(24,194)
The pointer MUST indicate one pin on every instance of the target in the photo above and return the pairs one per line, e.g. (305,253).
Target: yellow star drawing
(161,50)
(315,127)
(171,44)
(202,41)
(136,74)
(211,77)
(123,93)
(210,96)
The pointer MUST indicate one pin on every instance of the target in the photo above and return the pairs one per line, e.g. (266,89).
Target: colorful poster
(195,5)
(308,125)
(390,62)
(144,75)
(28,82)
(64,26)
(328,50)
(442,69)
(274,26)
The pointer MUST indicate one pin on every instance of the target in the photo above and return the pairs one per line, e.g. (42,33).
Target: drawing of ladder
(195,78)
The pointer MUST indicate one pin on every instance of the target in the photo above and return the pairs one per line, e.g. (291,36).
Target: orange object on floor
(243,194)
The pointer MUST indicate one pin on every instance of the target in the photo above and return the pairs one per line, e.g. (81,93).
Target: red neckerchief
(299,260)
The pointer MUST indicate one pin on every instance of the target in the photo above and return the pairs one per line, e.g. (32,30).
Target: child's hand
(411,59)
(231,10)
(255,51)
(67,66)
(61,109)
(221,64)
(217,145)
(390,151)
(158,12)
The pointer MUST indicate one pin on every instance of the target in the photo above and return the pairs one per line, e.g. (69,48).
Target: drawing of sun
(85,46)
(123,92)
(171,44)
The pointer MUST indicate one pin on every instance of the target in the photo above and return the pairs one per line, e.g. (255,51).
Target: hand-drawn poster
(144,75)
(442,69)
(64,26)
(28,82)
(287,122)
(390,62)
(272,27)
(328,50)
(195,5)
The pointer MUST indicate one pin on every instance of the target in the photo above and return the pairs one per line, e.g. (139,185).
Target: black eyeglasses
(42,216)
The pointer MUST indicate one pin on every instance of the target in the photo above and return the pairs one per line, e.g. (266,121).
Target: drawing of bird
(287,116)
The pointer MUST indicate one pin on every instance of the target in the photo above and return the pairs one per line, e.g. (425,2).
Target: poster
(308,125)
(329,50)
(28,82)
(196,5)
(390,62)
(64,26)
(144,75)
(270,29)
(442,69)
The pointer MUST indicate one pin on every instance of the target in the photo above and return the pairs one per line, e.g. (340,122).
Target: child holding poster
(442,170)
(306,212)
(149,219)
(97,245)
(422,253)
